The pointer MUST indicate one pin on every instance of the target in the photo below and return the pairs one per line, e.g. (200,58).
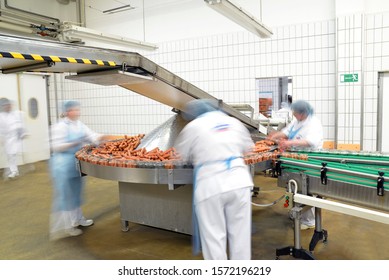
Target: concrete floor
(25,209)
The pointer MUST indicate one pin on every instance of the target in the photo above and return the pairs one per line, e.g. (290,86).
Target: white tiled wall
(376,32)
(109,110)
(227,65)
(350,94)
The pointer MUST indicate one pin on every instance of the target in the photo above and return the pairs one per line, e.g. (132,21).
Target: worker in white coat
(305,131)
(12,132)
(68,136)
(215,144)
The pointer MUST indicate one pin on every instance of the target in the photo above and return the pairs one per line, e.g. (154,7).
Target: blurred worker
(68,136)
(12,132)
(215,144)
(284,114)
(304,131)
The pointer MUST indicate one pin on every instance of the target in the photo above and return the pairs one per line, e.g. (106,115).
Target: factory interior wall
(314,42)
(107,109)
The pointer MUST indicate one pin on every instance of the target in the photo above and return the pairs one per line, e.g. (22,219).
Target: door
(33,103)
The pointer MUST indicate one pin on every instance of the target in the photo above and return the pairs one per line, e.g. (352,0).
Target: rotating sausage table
(156,193)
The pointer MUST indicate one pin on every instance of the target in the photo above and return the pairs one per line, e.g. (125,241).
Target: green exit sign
(348,78)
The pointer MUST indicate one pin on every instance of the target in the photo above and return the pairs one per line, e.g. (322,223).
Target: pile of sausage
(260,152)
(294,156)
(263,146)
(125,153)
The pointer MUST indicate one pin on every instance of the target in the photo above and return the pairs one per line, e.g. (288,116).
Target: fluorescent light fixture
(69,29)
(240,16)
(118,9)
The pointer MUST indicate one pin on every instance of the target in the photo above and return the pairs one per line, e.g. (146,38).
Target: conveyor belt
(358,178)
(351,183)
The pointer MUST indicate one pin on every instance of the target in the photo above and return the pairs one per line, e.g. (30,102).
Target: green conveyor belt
(337,177)
(376,164)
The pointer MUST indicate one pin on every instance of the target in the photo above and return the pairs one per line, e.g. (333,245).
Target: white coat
(12,131)
(309,129)
(215,144)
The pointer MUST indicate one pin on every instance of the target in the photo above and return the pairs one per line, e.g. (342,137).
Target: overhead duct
(69,30)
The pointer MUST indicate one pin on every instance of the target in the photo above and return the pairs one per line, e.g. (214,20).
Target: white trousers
(12,166)
(226,218)
(308,217)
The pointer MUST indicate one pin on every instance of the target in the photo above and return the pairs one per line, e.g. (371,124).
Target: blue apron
(196,244)
(293,133)
(68,183)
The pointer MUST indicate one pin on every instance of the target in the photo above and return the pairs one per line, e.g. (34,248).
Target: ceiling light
(240,16)
(119,9)
(69,29)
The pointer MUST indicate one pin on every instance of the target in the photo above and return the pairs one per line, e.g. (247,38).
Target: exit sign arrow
(349,78)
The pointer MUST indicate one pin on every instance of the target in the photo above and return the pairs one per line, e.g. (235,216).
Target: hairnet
(197,107)
(302,107)
(3,102)
(69,104)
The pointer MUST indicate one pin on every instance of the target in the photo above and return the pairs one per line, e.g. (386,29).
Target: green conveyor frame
(292,165)
(359,178)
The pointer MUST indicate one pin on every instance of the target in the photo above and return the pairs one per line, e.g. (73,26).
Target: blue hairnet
(197,107)
(69,104)
(302,107)
(3,102)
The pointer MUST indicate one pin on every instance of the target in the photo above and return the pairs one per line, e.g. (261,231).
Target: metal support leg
(319,234)
(296,251)
(255,191)
(125,225)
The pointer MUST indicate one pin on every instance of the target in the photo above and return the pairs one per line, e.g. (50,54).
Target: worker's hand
(284,145)
(271,135)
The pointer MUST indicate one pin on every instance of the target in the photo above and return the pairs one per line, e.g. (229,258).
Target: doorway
(273,94)
(382,114)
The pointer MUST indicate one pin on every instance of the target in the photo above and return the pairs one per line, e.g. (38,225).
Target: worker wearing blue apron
(68,136)
(215,144)
(305,131)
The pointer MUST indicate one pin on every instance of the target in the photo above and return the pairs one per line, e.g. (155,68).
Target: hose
(269,204)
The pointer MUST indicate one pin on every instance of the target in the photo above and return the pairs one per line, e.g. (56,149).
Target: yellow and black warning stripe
(54,58)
